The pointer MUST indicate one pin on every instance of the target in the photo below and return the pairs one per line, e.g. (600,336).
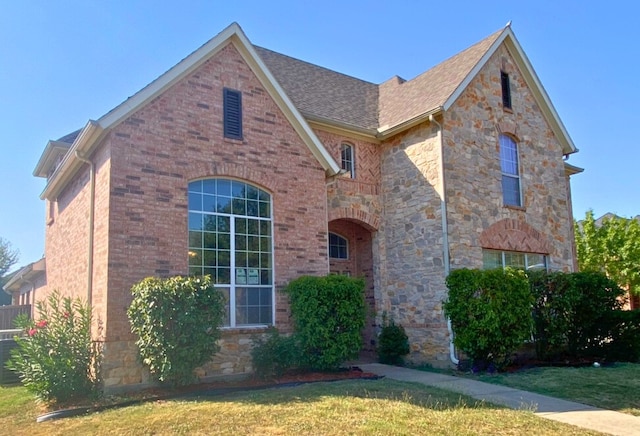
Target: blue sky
(65,62)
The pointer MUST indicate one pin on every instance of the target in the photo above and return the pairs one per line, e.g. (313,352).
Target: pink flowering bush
(56,359)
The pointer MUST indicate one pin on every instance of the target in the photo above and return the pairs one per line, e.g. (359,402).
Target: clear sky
(65,62)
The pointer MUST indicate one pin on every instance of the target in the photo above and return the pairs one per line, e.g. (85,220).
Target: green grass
(614,387)
(347,407)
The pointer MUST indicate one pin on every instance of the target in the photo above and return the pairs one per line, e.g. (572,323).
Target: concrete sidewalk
(581,415)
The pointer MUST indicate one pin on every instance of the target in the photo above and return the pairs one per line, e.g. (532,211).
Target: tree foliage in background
(8,256)
(611,247)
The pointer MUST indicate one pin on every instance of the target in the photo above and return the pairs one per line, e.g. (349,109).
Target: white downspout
(445,234)
(92,199)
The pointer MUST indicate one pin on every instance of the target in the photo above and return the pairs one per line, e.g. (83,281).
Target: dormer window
(506,90)
(348,160)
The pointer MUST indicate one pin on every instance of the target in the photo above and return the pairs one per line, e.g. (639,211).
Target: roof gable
(94,131)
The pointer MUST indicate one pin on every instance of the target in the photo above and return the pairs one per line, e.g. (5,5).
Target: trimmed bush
(56,359)
(578,315)
(490,311)
(393,342)
(177,322)
(328,315)
(274,354)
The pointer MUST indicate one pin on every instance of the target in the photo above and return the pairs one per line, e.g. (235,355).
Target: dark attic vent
(232,114)
(506,90)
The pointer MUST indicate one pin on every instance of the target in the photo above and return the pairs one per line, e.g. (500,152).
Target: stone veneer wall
(122,368)
(473,175)
(408,251)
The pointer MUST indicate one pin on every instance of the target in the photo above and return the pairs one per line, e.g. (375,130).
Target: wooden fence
(9,313)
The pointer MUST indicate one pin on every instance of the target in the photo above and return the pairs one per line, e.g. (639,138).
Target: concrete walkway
(581,415)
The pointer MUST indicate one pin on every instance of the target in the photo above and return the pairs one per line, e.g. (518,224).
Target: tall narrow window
(230,238)
(348,159)
(232,103)
(338,247)
(506,90)
(510,171)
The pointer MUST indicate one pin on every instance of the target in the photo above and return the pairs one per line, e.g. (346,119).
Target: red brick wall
(177,138)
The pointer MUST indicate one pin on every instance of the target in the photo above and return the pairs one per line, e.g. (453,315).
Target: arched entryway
(351,253)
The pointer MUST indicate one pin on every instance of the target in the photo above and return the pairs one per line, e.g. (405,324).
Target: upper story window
(513,259)
(511,194)
(338,247)
(230,238)
(506,90)
(348,159)
(232,103)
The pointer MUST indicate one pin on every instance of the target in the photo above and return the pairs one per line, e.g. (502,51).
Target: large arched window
(230,238)
(511,193)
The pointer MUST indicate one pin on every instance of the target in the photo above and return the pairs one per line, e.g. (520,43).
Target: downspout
(445,233)
(92,200)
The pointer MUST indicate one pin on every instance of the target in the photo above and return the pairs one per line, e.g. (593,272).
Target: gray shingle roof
(323,93)
(69,138)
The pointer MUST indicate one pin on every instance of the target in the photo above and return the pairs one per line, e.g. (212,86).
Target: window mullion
(232,273)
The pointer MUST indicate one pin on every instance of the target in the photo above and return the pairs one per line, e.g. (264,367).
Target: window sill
(519,208)
(245,329)
(508,110)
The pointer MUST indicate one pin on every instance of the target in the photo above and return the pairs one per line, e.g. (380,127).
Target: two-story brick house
(257,168)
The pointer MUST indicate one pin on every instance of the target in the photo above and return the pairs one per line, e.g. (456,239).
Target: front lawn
(614,387)
(346,407)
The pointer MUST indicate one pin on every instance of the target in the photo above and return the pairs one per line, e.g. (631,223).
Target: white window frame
(231,286)
(515,176)
(348,165)
(503,256)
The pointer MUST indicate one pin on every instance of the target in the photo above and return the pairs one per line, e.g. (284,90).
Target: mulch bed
(208,389)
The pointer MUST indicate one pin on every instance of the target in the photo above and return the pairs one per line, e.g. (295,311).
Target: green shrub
(274,354)
(555,298)
(619,337)
(177,322)
(57,360)
(575,314)
(328,315)
(598,297)
(393,342)
(490,311)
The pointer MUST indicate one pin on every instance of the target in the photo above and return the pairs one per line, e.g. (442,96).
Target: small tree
(490,311)
(611,247)
(328,315)
(56,359)
(177,322)
(393,342)
(8,258)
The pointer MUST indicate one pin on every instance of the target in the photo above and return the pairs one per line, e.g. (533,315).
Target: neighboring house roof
(310,93)
(26,274)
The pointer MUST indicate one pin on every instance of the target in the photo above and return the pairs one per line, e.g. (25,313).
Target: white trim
(508,37)
(232,34)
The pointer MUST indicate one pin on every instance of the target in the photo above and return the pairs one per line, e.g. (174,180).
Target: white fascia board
(70,164)
(475,70)
(286,105)
(173,75)
(530,76)
(540,93)
(53,149)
